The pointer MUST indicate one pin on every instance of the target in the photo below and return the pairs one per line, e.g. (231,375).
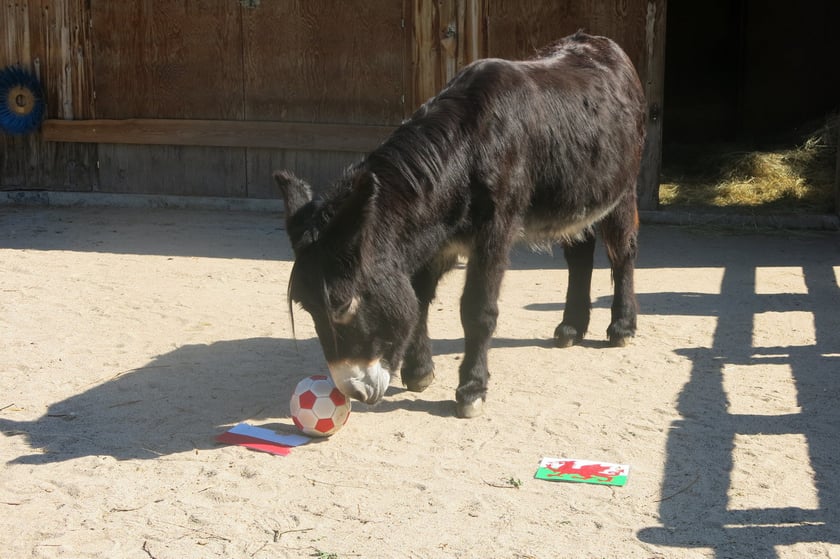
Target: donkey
(545,150)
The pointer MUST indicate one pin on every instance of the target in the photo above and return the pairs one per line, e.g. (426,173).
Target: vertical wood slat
(15,45)
(448,35)
(837,174)
(653,80)
(426,51)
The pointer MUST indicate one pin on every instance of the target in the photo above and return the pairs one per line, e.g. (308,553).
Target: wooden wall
(51,38)
(209,96)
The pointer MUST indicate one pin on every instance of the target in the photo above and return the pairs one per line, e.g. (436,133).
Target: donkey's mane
(417,153)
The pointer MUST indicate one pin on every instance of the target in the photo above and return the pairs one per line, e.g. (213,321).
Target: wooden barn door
(325,62)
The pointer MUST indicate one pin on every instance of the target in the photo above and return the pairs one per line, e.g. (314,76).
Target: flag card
(582,471)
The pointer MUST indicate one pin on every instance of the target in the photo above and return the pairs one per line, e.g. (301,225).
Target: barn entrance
(746,77)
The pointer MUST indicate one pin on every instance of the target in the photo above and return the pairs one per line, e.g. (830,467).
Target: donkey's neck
(407,229)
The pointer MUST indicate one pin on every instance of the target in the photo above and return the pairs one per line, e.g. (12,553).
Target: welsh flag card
(582,471)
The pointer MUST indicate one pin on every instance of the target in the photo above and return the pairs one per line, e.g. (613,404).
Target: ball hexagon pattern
(318,408)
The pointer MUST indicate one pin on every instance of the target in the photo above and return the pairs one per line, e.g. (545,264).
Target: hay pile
(791,180)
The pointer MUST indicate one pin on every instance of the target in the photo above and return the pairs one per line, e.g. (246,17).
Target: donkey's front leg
(580,258)
(418,370)
(479,311)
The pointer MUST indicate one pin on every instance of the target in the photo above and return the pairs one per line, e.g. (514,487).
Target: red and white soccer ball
(319,409)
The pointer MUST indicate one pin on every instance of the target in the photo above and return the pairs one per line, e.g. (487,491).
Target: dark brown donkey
(543,150)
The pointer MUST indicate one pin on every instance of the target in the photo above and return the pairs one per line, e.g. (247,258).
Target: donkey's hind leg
(579,257)
(620,233)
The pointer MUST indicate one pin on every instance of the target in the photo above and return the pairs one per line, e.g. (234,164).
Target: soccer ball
(319,409)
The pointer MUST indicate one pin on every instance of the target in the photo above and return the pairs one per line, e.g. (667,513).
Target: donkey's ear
(296,193)
(301,210)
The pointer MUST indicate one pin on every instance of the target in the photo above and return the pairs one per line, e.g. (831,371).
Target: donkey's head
(355,288)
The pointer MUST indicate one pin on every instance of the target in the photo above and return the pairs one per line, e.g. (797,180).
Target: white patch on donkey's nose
(366,382)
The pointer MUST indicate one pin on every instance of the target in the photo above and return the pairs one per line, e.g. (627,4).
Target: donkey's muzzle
(366,382)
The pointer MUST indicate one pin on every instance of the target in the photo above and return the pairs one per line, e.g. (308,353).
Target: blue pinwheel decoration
(21,101)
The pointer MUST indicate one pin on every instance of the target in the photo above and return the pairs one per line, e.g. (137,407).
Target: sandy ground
(130,338)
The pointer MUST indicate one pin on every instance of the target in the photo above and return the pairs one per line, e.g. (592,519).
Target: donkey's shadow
(175,403)
(180,400)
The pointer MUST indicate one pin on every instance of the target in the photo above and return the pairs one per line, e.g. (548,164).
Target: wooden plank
(328,62)
(837,174)
(172,170)
(426,53)
(653,80)
(472,31)
(231,133)
(176,59)
(15,45)
(67,51)
(448,35)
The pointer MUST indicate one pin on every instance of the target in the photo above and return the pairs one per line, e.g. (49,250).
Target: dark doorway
(752,94)
(756,71)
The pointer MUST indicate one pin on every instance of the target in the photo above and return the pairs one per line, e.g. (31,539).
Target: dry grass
(790,180)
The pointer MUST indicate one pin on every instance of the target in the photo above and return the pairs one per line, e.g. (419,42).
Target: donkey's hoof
(566,336)
(467,410)
(419,384)
(619,333)
(620,341)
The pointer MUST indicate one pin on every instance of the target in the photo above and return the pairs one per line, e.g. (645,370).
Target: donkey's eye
(345,312)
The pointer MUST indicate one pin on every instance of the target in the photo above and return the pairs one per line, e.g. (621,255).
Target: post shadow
(694,502)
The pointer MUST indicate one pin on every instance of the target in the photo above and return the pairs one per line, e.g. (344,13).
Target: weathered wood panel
(315,71)
(837,174)
(218,133)
(326,61)
(52,39)
(179,59)
(653,80)
(172,170)
(16,40)
(319,168)
(168,59)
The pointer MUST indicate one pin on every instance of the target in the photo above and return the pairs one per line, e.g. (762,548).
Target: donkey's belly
(543,230)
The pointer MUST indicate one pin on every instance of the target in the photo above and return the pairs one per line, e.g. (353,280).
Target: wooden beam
(837,173)
(222,133)
(653,76)
(426,55)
